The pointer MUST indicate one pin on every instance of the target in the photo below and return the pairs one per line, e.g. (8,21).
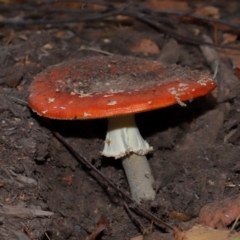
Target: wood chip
(22,212)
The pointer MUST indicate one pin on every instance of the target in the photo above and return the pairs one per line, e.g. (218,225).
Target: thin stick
(134,219)
(62,21)
(165,29)
(234,224)
(125,11)
(96,50)
(83,160)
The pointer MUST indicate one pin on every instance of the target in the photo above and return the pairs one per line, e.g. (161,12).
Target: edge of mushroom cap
(60,105)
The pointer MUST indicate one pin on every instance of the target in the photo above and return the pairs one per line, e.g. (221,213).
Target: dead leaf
(13,1)
(179,216)
(68,179)
(125,20)
(220,213)
(27,231)
(231,53)
(76,5)
(64,34)
(200,232)
(22,212)
(237,72)
(226,28)
(137,238)
(229,38)
(145,46)
(168,5)
(208,11)
(102,224)
(48,46)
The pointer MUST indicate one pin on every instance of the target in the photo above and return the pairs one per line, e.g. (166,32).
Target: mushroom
(117,87)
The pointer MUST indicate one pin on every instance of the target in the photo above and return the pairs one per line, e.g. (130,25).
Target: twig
(235,224)
(143,15)
(50,2)
(197,17)
(211,56)
(95,17)
(98,2)
(226,80)
(46,235)
(96,50)
(26,230)
(85,161)
(40,8)
(17,100)
(154,23)
(134,219)
(32,9)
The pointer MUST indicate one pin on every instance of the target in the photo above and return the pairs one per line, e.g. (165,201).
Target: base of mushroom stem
(139,177)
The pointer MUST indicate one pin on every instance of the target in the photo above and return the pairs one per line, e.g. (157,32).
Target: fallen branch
(172,33)
(136,207)
(22,212)
(93,17)
(226,80)
(142,14)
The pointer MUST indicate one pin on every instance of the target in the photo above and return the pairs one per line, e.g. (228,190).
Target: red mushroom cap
(104,86)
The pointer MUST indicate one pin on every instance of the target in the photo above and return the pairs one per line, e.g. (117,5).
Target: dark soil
(196,148)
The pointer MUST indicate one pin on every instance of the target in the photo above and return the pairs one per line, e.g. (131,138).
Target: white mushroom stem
(124,141)
(139,177)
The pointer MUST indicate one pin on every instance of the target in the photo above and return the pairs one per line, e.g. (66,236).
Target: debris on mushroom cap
(105,86)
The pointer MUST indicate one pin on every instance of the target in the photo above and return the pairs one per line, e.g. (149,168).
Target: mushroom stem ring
(124,141)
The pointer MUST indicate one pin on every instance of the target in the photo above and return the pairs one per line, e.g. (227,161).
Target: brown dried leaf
(64,34)
(226,28)
(126,20)
(237,72)
(68,179)
(13,1)
(76,5)
(145,46)
(179,216)
(102,224)
(48,46)
(168,5)
(220,213)
(231,53)
(200,232)
(137,238)
(208,11)
(229,38)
